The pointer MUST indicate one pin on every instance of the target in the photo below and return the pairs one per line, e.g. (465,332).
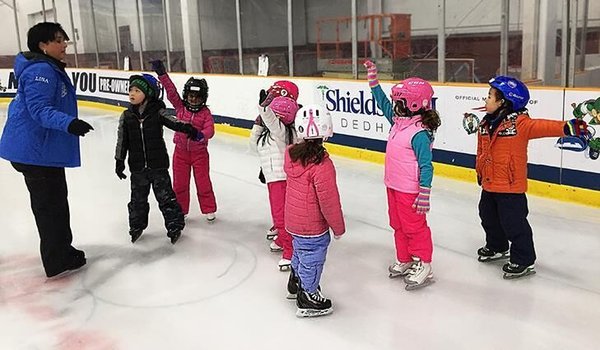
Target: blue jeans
(308,259)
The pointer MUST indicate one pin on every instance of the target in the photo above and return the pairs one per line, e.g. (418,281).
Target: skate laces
(416,268)
(317,296)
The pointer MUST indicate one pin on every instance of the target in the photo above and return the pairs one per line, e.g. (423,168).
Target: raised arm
(382,101)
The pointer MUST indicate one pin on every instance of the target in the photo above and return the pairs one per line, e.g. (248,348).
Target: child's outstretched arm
(172,123)
(172,95)
(272,123)
(329,198)
(539,128)
(382,101)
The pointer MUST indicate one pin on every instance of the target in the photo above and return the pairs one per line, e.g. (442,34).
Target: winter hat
(146,83)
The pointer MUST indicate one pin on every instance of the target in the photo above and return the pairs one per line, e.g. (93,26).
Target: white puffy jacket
(271,154)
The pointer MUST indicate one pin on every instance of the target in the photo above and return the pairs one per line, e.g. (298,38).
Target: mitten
(120,168)
(421,203)
(158,67)
(261,177)
(371,73)
(79,128)
(262,96)
(576,127)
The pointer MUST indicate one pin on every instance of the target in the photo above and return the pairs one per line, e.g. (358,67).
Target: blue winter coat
(38,117)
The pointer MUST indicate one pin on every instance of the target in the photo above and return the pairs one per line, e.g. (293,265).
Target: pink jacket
(201,120)
(401,166)
(312,200)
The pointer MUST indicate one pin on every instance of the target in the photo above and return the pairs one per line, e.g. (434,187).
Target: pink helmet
(284,88)
(285,109)
(314,122)
(416,91)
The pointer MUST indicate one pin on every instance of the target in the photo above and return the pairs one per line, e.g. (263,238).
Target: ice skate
(419,276)
(211,217)
(285,265)
(512,271)
(271,233)
(487,255)
(275,248)
(174,235)
(312,304)
(135,234)
(399,269)
(292,285)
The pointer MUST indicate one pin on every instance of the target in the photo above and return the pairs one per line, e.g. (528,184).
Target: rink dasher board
(357,120)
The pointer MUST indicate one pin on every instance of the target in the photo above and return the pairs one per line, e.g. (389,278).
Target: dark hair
(265,135)
(43,32)
(309,151)
(506,107)
(431,120)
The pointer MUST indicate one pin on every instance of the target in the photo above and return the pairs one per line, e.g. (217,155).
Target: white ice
(219,286)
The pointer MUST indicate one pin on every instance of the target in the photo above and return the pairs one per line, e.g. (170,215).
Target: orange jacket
(501,163)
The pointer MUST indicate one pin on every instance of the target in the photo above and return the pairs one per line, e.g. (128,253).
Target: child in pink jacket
(191,154)
(312,207)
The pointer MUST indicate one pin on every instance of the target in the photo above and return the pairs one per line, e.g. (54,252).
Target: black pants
(504,219)
(48,194)
(160,181)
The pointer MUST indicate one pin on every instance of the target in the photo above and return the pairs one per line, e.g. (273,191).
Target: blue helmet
(513,90)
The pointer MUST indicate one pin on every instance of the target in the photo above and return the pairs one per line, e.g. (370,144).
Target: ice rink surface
(219,286)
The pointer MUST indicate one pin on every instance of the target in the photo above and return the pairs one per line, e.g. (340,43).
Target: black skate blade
(415,286)
(313,312)
(512,276)
(485,259)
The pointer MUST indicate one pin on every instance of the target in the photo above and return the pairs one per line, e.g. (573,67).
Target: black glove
(261,177)
(262,96)
(79,128)
(120,168)
(158,67)
(190,131)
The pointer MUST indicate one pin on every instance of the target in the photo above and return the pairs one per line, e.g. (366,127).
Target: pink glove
(371,73)
(421,203)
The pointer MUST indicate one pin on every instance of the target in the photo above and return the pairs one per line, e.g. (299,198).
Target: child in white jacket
(272,132)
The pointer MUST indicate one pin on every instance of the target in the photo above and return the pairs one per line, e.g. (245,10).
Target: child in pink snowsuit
(191,154)
(271,134)
(408,173)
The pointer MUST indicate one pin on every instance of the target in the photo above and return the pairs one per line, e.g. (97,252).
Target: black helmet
(197,86)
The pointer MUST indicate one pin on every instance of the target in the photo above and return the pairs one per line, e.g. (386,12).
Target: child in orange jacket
(501,167)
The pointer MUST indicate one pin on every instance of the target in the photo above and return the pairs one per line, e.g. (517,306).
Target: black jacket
(142,136)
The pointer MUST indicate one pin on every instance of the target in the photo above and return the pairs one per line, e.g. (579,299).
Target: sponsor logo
(42,79)
(114,85)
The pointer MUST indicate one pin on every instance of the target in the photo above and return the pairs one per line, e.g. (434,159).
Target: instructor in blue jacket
(41,139)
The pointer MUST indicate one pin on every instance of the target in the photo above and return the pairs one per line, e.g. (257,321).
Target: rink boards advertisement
(357,120)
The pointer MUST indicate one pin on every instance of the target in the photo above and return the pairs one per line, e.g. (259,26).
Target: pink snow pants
(277,201)
(411,232)
(183,162)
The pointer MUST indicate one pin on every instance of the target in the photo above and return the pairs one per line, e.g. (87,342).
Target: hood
(26,59)
(295,169)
